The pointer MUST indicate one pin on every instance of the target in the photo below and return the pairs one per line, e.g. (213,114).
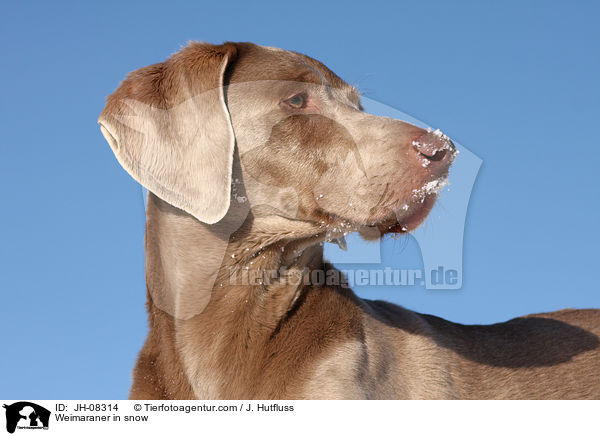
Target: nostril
(434,146)
(437,156)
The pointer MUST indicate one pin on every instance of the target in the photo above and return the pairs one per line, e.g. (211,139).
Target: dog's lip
(418,212)
(403,220)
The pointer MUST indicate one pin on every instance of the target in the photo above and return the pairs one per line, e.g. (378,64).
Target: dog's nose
(435,150)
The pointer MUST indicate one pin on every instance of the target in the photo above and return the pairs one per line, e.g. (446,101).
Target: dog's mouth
(409,219)
(404,218)
(411,215)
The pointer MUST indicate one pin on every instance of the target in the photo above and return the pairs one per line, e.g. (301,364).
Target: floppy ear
(169,127)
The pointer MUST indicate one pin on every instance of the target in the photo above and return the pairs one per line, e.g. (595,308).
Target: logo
(26,415)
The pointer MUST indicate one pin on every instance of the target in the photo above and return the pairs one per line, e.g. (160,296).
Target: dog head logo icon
(26,415)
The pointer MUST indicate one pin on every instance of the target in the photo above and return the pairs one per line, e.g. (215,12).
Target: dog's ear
(169,127)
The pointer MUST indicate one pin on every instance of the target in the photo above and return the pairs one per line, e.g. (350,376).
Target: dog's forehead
(270,63)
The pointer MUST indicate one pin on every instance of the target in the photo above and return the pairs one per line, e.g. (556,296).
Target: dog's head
(307,151)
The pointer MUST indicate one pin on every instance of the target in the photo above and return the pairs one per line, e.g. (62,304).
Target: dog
(253,158)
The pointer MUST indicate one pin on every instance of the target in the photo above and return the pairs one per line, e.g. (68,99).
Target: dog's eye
(298,101)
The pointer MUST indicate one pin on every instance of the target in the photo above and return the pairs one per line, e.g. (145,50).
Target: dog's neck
(191,265)
(223,290)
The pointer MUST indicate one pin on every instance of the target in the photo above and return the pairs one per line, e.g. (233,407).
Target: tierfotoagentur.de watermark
(345,278)
(355,262)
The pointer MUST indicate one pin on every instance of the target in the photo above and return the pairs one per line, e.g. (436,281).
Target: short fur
(300,176)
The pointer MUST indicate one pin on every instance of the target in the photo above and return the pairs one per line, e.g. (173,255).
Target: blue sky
(516,83)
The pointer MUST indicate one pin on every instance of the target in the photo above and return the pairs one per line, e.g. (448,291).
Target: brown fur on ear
(169,128)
